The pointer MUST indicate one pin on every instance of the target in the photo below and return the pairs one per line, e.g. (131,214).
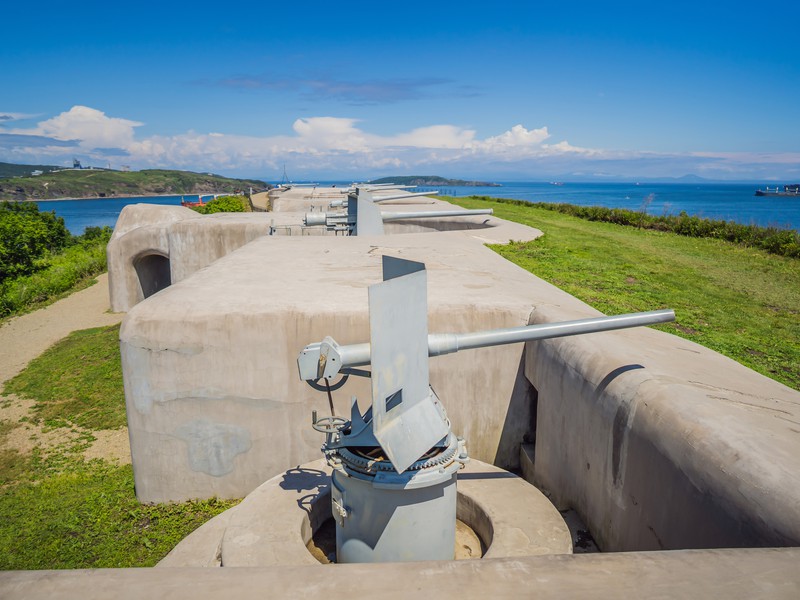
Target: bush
(224,204)
(782,242)
(27,236)
(58,273)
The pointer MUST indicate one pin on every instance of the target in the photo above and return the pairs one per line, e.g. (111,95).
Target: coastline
(729,202)
(117,197)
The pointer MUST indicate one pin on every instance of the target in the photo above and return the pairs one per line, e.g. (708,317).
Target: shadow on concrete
(300,480)
(613,375)
(492,475)
(520,421)
(153,271)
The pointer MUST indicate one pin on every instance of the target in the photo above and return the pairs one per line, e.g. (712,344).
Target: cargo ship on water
(788,190)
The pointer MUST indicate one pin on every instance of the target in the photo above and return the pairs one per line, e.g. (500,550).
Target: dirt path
(25,337)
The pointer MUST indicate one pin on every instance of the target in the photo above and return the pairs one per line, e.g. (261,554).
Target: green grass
(88,517)
(77,381)
(68,272)
(741,302)
(58,510)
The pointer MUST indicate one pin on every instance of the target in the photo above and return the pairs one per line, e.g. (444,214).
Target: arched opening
(153,272)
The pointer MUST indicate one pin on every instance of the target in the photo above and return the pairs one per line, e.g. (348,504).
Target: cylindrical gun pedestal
(383,516)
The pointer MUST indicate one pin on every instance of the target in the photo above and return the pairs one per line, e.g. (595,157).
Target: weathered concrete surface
(260,201)
(303,199)
(190,241)
(660,443)
(141,230)
(729,574)
(275,522)
(215,406)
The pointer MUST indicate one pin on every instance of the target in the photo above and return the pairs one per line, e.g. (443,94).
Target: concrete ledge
(189,241)
(729,574)
(670,445)
(275,522)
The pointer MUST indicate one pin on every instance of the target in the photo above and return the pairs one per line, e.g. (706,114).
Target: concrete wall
(187,240)
(215,406)
(660,443)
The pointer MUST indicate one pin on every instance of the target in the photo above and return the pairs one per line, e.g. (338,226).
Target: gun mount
(363,217)
(395,466)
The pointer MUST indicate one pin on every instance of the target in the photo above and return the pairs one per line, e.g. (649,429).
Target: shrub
(782,242)
(27,236)
(58,273)
(224,204)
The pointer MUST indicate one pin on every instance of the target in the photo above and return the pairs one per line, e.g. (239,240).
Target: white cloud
(516,137)
(89,126)
(334,145)
(328,133)
(435,136)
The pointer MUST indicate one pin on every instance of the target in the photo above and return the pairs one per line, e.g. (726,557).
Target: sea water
(99,212)
(729,202)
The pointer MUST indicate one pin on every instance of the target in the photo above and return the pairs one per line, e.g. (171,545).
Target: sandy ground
(24,338)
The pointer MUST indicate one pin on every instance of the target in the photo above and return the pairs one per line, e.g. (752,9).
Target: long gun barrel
(431,214)
(327,358)
(366,193)
(401,196)
(342,219)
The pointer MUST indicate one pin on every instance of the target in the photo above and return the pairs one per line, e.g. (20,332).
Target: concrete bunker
(649,437)
(634,432)
(153,272)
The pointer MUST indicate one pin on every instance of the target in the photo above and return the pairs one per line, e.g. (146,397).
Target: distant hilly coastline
(15,170)
(102,183)
(433,180)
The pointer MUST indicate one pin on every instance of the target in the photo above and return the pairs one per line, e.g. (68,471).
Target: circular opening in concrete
(474,530)
(153,271)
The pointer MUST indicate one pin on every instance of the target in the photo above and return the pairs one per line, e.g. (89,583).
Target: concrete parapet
(156,246)
(660,443)
(740,574)
(273,525)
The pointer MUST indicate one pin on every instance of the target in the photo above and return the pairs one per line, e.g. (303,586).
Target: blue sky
(503,90)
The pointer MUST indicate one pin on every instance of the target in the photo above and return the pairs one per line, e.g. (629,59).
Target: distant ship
(788,190)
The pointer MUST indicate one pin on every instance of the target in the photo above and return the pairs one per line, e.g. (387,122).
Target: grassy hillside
(742,302)
(13,170)
(59,509)
(95,183)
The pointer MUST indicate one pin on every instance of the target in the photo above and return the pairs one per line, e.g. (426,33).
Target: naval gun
(394,467)
(368,194)
(363,217)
